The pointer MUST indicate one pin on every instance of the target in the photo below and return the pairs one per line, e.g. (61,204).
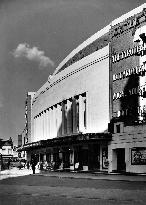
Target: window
(77,113)
(118,128)
(84,109)
(64,116)
(85,113)
(71,115)
(9,151)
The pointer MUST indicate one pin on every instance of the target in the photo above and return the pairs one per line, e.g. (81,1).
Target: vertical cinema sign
(130,23)
(136,50)
(123,27)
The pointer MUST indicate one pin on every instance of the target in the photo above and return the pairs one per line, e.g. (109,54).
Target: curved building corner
(90,114)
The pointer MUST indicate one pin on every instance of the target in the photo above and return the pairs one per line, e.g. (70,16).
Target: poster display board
(138,156)
(105,158)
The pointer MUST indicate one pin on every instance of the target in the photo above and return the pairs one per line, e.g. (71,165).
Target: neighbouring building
(28,116)
(20,140)
(25,136)
(127,151)
(6,148)
(92,110)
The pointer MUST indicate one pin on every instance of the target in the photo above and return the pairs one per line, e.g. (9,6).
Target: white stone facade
(62,109)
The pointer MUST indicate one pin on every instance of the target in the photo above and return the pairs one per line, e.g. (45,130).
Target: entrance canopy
(68,140)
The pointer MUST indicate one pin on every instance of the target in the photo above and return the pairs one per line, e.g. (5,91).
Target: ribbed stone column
(59,108)
(81,114)
(63,117)
(44,125)
(69,117)
(34,128)
(51,123)
(43,119)
(40,123)
(39,127)
(54,123)
(55,120)
(74,116)
(47,124)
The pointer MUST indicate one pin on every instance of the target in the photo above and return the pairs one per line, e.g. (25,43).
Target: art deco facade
(70,113)
(91,111)
(127,151)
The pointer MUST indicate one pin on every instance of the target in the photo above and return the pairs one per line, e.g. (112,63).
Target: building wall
(84,77)
(20,140)
(28,116)
(6,150)
(129,94)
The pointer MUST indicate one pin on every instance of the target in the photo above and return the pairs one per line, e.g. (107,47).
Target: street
(43,189)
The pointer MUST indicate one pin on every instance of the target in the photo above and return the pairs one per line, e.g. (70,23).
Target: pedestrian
(41,165)
(33,168)
(28,164)
(20,165)
(33,164)
(8,164)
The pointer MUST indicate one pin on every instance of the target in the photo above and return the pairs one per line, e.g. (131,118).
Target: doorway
(94,157)
(121,166)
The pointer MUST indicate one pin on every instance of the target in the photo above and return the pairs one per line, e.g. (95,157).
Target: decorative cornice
(91,48)
(72,73)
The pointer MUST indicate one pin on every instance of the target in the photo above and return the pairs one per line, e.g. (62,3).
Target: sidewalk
(95,176)
(15,172)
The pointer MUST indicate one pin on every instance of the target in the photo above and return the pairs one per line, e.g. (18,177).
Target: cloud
(33,54)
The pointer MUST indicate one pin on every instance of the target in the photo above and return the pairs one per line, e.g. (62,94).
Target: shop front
(128,158)
(75,153)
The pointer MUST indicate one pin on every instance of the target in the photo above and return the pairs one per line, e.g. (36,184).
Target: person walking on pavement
(33,164)
(8,164)
(27,164)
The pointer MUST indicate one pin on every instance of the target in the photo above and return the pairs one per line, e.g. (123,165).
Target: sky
(35,36)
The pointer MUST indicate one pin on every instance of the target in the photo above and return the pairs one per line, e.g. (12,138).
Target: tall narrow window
(71,116)
(65,118)
(118,128)
(85,113)
(77,114)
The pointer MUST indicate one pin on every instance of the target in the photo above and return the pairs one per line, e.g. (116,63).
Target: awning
(67,140)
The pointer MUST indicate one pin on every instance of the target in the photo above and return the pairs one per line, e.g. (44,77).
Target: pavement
(15,172)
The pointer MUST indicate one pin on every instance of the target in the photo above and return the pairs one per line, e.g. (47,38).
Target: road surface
(44,190)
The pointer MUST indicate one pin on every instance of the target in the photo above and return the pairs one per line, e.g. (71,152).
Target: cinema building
(91,113)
